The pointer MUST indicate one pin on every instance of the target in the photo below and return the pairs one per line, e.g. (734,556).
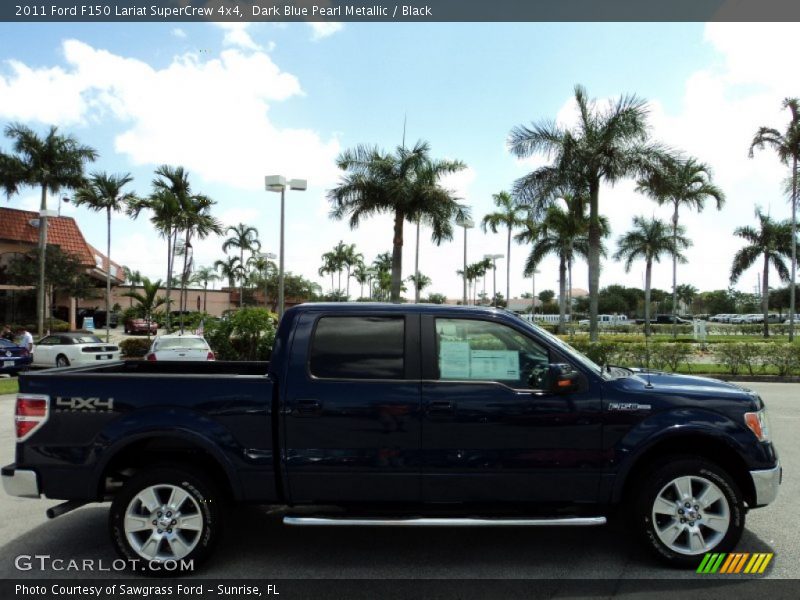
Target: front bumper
(20,482)
(766,483)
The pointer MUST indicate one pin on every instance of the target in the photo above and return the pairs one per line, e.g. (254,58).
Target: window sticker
(494,365)
(454,360)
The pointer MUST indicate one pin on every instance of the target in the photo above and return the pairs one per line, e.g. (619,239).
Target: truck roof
(398,308)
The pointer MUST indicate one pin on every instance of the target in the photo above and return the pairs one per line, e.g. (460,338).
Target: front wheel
(686,508)
(165,520)
(62,361)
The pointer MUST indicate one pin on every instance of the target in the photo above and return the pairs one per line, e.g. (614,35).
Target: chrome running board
(443,522)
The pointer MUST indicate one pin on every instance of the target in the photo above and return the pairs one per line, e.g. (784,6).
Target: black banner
(702,588)
(404,11)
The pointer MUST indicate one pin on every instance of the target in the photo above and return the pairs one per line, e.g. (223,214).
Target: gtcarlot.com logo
(735,563)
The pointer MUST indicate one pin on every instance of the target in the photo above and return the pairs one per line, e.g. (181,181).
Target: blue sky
(233,103)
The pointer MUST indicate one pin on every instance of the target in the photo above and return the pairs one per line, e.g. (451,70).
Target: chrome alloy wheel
(163,522)
(691,515)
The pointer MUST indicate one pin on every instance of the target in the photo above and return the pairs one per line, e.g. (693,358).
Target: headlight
(757,423)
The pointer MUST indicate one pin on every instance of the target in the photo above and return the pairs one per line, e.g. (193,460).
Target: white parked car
(608,320)
(66,349)
(180,346)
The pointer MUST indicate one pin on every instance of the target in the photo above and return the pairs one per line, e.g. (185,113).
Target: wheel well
(159,450)
(697,446)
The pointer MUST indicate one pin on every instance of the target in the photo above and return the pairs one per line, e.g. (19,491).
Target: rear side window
(358,348)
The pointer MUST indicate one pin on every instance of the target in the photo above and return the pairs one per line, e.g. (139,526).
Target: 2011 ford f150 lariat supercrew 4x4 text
(373,414)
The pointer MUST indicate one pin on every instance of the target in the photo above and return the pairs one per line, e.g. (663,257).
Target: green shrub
(218,336)
(729,355)
(784,357)
(636,355)
(669,356)
(255,328)
(602,353)
(134,347)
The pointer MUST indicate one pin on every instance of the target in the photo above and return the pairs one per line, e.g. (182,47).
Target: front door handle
(308,406)
(441,406)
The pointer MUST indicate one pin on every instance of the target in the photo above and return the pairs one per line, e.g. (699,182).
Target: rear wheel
(62,361)
(164,518)
(687,507)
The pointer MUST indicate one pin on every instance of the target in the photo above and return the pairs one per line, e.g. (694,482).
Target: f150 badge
(628,406)
(76,404)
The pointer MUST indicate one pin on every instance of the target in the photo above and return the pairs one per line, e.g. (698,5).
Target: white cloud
(320,29)
(178,33)
(236,35)
(210,115)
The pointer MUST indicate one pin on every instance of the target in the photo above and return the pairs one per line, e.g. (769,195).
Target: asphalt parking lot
(256,544)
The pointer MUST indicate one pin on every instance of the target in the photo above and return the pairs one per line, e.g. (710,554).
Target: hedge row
(749,357)
(732,330)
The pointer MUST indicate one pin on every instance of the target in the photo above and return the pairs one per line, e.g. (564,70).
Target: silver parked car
(180,346)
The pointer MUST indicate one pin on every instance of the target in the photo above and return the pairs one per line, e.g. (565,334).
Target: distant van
(546,318)
(608,320)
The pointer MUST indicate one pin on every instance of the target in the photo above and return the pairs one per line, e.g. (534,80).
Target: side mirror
(561,378)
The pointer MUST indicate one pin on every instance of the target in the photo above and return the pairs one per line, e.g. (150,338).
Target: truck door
(490,433)
(352,409)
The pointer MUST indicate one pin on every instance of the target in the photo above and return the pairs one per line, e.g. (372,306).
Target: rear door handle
(441,406)
(308,406)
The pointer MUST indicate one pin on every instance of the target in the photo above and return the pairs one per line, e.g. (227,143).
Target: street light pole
(278,183)
(493,258)
(466,224)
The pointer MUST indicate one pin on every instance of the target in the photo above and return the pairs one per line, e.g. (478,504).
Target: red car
(135,326)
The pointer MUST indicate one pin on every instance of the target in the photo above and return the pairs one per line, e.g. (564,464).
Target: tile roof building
(19,233)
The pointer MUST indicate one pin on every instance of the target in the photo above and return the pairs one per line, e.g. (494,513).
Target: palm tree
(772,241)
(649,240)
(230,269)
(560,234)
(331,264)
(361,275)
(687,294)
(510,216)
(148,299)
(133,278)
(607,145)
(405,184)
(53,162)
(680,183)
(104,192)
(420,281)
(204,276)
(350,259)
(787,146)
(196,221)
(244,237)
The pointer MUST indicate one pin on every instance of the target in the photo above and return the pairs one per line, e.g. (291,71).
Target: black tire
(62,361)
(202,503)
(658,481)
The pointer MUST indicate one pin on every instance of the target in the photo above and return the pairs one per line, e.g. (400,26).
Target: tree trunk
(508,268)
(397,256)
(416,269)
(765,294)
(205,296)
(794,250)
(170,247)
(241,277)
(594,255)
(562,293)
(647,275)
(675,273)
(108,275)
(40,295)
(184,292)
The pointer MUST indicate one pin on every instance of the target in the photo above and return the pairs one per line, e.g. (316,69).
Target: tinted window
(51,340)
(358,348)
(188,343)
(84,339)
(486,351)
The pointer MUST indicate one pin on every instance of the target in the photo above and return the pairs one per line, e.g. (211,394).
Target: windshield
(186,343)
(568,350)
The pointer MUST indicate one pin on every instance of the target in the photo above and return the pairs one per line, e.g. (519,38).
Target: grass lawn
(9,386)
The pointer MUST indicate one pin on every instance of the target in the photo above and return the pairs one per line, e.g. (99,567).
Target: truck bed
(220,408)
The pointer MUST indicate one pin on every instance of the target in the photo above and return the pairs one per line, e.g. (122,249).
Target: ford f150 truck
(372,414)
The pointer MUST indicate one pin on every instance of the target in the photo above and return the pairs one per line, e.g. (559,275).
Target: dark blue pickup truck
(372,414)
